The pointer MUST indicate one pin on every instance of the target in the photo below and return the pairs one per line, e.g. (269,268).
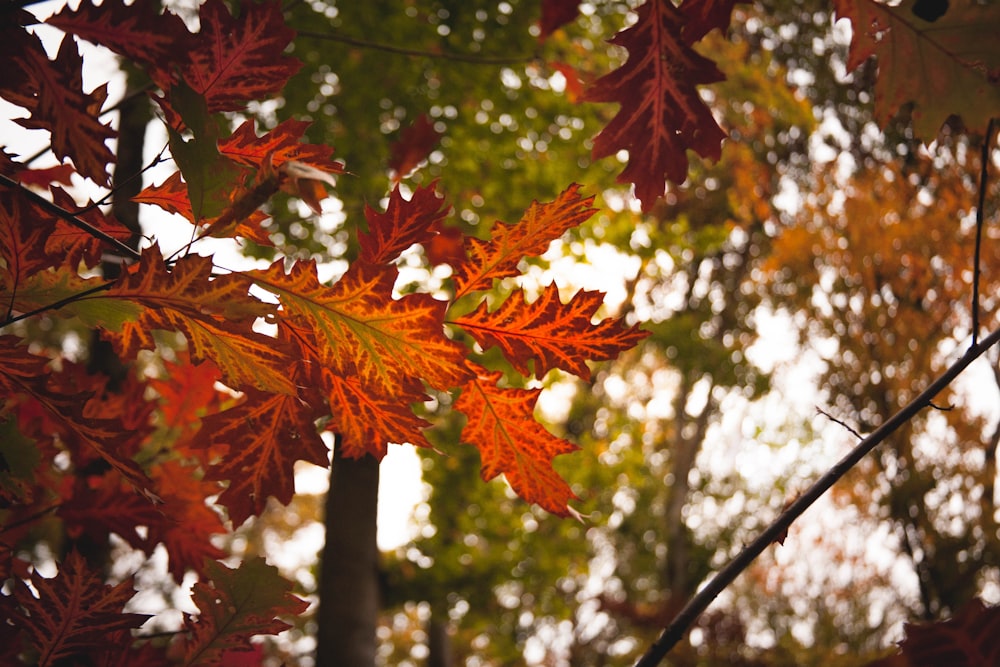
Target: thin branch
(842,423)
(71,218)
(56,305)
(983,175)
(674,632)
(389,48)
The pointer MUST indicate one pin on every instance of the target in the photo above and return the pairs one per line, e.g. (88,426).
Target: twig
(837,421)
(983,174)
(674,632)
(389,48)
(71,218)
(56,305)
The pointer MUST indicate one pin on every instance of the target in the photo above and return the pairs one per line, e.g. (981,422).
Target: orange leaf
(215,314)
(552,334)
(366,422)
(662,114)
(265,435)
(509,244)
(280,145)
(74,611)
(361,330)
(503,428)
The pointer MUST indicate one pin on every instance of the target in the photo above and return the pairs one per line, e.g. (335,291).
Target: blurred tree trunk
(438,641)
(349,585)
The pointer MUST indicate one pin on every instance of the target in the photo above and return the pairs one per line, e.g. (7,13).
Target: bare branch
(983,175)
(389,48)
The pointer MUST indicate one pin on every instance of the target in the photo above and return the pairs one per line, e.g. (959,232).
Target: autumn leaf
(944,67)
(661,114)
(367,421)
(404,223)
(511,442)
(75,244)
(550,333)
(265,435)
(58,104)
(74,611)
(555,14)
(362,331)
(137,31)
(703,16)
(971,638)
(22,245)
(214,313)
(415,143)
(237,605)
(499,256)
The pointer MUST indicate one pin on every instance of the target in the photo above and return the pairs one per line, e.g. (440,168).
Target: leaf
(137,31)
(366,421)
(18,459)
(214,314)
(239,59)
(949,66)
(415,143)
(661,115)
(22,244)
(404,223)
(59,105)
(265,435)
(362,331)
(24,375)
(237,605)
(550,333)
(510,441)
(281,144)
(704,16)
(555,14)
(74,610)
(970,638)
(509,244)
(74,244)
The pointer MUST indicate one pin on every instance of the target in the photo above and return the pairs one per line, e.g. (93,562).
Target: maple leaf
(98,505)
(510,441)
(238,59)
(367,421)
(661,114)
(949,66)
(413,146)
(59,105)
(74,610)
(24,375)
(265,435)
(552,334)
(404,223)
(361,330)
(499,256)
(138,31)
(214,314)
(238,604)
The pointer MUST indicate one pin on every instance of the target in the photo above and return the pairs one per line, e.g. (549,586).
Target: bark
(349,582)
(438,641)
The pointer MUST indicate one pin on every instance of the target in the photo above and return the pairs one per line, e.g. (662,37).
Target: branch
(983,174)
(71,218)
(697,604)
(389,48)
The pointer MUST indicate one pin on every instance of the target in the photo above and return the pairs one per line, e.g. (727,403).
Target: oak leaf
(550,333)
(499,256)
(415,143)
(971,637)
(265,435)
(661,114)
(949,66)
(403,223)
(502,426)
(555,14)
(237,605)
(74,611)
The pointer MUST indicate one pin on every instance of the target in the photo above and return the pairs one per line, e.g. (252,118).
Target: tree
(235,373)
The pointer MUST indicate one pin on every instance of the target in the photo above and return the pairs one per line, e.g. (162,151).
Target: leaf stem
(71,218)
(675,631)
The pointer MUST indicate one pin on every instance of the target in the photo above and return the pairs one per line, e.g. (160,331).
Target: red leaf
(171,196)
(59,105)
(552,334)
(75,610)
(137,31)
(22,244)
(74,244)
(509,244)
(239,59)
(279,145)
(503,428)
(265,435)
(238,604)
(661,114)
(415,143)
(404,223)
(704,16)
(366,421)
(970,638)
(43,178)
(557,13)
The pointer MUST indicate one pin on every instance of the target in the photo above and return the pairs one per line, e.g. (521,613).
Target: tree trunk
(348,587)
(438,641)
